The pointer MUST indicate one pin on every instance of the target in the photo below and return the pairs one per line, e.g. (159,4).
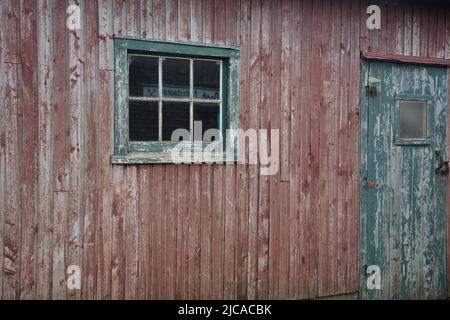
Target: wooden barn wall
(189,231)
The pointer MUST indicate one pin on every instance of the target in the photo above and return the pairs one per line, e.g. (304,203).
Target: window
(414,116)
(413,119)
(161,87)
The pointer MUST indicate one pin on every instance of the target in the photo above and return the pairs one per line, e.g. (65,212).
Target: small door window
(414,114)
(413,119)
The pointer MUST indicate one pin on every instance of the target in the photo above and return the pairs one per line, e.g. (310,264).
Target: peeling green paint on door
(402,216)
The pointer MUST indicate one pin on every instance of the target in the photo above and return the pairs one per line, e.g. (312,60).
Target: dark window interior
(143,76)
(143,121)
(175,115)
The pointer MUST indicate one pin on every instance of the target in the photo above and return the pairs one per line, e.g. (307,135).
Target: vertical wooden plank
(170,212)
(205,233)
(9,24)
(131,202)
(231,22)
(353,119)
(184,17)
(208,24)
(194,233)
(145,240)
(364,32)
(104,227)
(118,237)
(172,20)
(304,151)
(275,123)
(105,143)
(314,152)
(11,206)
(416,30)
(145,19)
(294,171)
(219,21)
(217,231)
(424,35)
(196,14)
(182,233)
(433,33)
(259,82)
(333,120)
(60,210)
(90,120)
(60,93)
(246,255)
(285,97)
(384,36)
(28,51)
(400,23)
(45,194)
(391,28)
(440,34)
(343,150)
(285,147)
(159,19)
(61,150)
(323,232)
(105,35)
(408,31)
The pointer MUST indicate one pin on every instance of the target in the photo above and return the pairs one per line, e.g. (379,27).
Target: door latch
(371,91)
(370,185)
(443,167)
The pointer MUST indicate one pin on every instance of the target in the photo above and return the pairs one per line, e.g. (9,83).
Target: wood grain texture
(191,231)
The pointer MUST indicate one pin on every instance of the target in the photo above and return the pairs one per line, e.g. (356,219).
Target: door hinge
(371,90)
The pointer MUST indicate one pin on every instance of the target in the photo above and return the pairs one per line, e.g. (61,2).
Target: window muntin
(187,90)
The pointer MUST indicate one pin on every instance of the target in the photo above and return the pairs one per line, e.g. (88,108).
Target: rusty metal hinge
(371,90)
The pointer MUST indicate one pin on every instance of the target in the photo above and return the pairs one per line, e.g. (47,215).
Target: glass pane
(176,78)
(208,114)
(143,76)
(413,119)
(175,115)
(206,79)
(143,121)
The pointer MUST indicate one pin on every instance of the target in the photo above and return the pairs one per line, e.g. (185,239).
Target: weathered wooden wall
(190,231)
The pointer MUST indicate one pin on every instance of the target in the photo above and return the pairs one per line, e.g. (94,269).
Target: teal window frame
(128,152)
(430,120)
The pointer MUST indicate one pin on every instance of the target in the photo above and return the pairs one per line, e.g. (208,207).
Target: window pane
(143,76)
(206,79)
(413,119)
(208,114)
(175,115)
(143,121)
(176,78)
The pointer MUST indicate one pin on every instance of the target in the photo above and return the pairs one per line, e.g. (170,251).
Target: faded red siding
(189,231)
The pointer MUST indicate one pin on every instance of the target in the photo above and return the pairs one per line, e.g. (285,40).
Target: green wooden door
(402,209)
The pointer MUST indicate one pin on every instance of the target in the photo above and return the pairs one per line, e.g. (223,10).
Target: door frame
(366,58)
